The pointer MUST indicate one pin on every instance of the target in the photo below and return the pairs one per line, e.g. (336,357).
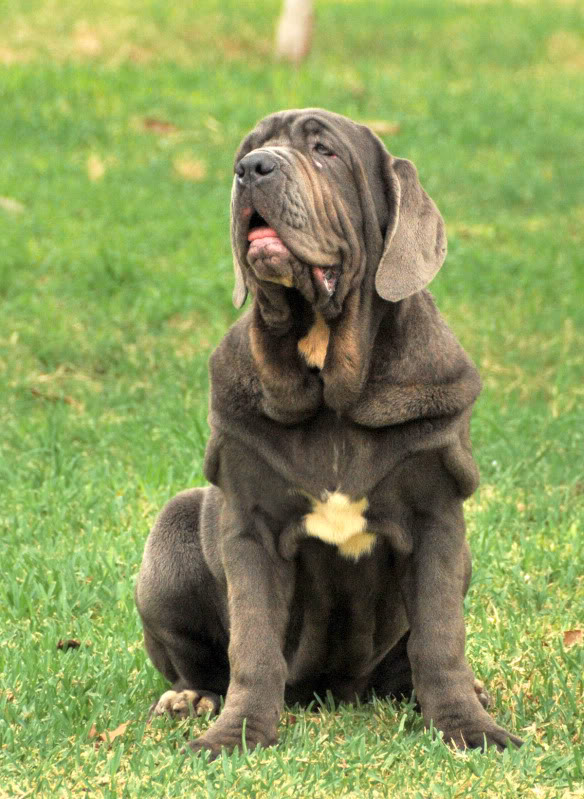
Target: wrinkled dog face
(319,206)
(297,216)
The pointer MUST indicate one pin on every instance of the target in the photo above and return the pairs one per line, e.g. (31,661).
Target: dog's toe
(184,704)
(476,738)
(482,694)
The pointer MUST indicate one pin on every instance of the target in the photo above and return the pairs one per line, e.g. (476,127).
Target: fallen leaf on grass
(572,637)
(190,168)
(95,168)
(158,125)
(54,398)
(86,40)
(9,56)
(213,124)
(68,643)
(11,205)
(139,55)
(108,735)
(383,127)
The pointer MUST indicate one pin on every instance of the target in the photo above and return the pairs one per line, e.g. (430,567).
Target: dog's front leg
(433,586)
(259,589)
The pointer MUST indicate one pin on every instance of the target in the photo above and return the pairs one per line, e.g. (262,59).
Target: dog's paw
(183,704)
(481,737)
(470,727)
(212,748)
(229,736)
(460,715)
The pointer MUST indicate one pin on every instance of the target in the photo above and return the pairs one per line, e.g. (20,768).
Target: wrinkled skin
(341,384)
(317,223)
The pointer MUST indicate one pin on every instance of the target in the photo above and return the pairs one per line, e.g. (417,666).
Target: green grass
(115,282)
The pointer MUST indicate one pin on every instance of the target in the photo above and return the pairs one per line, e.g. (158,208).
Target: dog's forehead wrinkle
(269,127)
(312,125)
(297,133)
(274,142)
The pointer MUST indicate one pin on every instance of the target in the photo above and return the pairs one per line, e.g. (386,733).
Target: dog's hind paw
(184,704)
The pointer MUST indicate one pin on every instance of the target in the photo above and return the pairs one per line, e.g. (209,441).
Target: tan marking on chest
(315,343)
(337,519)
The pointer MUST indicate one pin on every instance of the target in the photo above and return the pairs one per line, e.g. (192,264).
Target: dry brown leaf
(383,127)
(11,205)
(10,56)
(190,168)
(212,124)
(68,400)
(158,125)
(108,735)
(87,41)
(95,168)
(68,643)
(49,397)
(139,55)
(572,637)
(564,48)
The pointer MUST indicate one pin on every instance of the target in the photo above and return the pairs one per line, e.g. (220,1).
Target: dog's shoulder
(235,387)
(234,396)
(423,384)
(418,371)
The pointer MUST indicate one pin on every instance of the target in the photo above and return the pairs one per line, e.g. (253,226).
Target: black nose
(255,166)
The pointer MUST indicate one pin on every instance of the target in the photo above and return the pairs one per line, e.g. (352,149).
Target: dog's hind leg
(198,672)
(180,606)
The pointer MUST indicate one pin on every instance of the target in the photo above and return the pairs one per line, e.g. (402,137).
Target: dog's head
(319,204)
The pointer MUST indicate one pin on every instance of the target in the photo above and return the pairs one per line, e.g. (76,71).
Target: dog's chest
(313,346)
(339,520)
(345,464)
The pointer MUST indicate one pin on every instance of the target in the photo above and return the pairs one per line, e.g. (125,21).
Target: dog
(329,551)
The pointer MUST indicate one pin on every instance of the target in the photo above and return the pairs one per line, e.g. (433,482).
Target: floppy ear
(240,289)
(415,240)
(239,295)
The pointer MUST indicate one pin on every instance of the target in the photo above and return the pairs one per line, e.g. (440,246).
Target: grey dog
(329,551)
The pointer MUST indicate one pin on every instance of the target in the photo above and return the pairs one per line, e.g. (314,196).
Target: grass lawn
(118,121)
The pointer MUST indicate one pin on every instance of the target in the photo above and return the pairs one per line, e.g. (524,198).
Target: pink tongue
(262,233)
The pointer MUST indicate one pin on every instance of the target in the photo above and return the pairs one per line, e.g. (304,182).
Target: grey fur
(235,595)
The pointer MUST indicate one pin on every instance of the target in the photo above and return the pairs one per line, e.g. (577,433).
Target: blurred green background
(118,124)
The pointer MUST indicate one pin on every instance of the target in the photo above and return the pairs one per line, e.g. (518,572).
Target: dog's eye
(322,149)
